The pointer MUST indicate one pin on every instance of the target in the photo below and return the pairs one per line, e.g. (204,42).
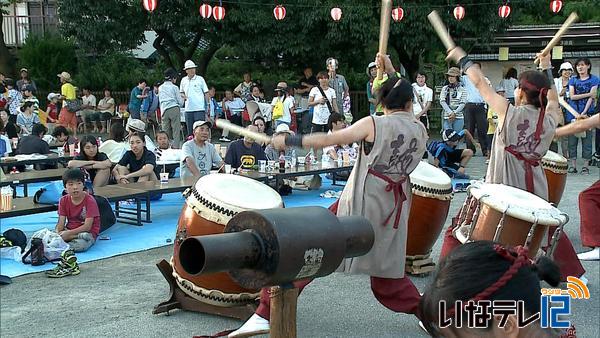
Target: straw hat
(65,76)
(453,71)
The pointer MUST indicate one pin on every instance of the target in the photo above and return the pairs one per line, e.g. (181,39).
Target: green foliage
(46,56)
(117,71)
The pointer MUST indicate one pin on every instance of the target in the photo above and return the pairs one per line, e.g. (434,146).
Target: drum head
(429,181)
(555,163)
(517,203)
(219,197)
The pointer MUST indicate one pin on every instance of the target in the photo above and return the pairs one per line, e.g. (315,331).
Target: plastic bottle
(281,162)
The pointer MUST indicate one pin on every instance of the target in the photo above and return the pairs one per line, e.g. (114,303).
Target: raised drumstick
(384,30)
(234,128)
(570,20)
(441,30)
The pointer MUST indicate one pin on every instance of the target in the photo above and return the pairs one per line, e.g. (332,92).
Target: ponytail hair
(396,93)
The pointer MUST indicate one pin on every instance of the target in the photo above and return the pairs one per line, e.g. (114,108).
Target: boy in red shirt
(78,222)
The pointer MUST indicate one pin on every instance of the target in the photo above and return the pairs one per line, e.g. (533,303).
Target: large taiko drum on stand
(508,215)
(209,206)
(431,196)
(555,167)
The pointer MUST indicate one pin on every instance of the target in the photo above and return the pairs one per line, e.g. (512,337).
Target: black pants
(319,128)
(476,117)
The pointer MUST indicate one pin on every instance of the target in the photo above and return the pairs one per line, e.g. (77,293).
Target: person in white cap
(25,80)
(138,126)
(562,87)
(198,156)
(194,90)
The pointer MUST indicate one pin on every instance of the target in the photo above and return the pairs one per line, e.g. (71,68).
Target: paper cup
(228,168)
(262,165)
(164,178)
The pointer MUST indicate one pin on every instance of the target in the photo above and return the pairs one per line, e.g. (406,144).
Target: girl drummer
(523,135)
(391,146)
(495,273)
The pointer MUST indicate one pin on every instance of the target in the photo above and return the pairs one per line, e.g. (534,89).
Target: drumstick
(570,20)
(234,128)
(441,30)
(568,107)
(384,31)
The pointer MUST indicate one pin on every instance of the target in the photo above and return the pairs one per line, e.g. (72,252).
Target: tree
(119,25)
(7,62)
(415,41)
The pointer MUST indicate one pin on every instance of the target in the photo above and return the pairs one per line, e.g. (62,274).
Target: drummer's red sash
(399,196)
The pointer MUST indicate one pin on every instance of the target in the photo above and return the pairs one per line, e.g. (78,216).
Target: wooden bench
(25,206)
(119,194)
(29,177)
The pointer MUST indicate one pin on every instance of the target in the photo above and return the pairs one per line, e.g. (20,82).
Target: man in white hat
(195,93)
(198,156)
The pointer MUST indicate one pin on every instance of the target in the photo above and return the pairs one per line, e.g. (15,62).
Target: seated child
(445,155)
(78,215)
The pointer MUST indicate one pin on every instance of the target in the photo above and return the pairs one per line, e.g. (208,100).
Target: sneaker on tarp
(66,267)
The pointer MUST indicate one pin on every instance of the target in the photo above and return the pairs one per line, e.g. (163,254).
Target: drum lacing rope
(521,260)
(429,190)
(211,205)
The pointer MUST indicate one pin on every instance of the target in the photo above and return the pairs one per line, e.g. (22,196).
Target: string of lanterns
(218,12)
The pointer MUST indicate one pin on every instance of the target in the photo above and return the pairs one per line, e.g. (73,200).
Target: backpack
(278,109)
(107,216)
(36,251)
(49,194)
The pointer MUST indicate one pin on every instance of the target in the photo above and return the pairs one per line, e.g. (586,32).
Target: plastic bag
(54,245)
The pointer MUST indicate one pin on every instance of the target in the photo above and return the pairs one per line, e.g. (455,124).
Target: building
(523,42)
(28,17)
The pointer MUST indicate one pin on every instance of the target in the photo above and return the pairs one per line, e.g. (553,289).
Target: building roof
(581,40)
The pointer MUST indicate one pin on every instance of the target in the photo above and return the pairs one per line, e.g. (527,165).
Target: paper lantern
(279,12)
(556,6)
(336,13)
(459,12)
(150,5)
(398,14)
(504,11)
(218,13)
(206,11)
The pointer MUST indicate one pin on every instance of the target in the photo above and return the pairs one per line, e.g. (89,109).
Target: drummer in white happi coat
(378,188)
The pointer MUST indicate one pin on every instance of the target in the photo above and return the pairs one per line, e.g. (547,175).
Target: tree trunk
(411,62)
(206,57)
(7,62)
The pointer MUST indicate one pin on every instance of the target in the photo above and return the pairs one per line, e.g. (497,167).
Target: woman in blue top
(582,90)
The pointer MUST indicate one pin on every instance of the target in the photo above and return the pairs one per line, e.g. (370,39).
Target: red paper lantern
(150,5)
(398,14)
(279,12)
(459,12)
(218,13)
(336,13)
(206,11)
(504,11)
(556,6)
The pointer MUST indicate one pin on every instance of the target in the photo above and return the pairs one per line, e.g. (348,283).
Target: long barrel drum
(271,247)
